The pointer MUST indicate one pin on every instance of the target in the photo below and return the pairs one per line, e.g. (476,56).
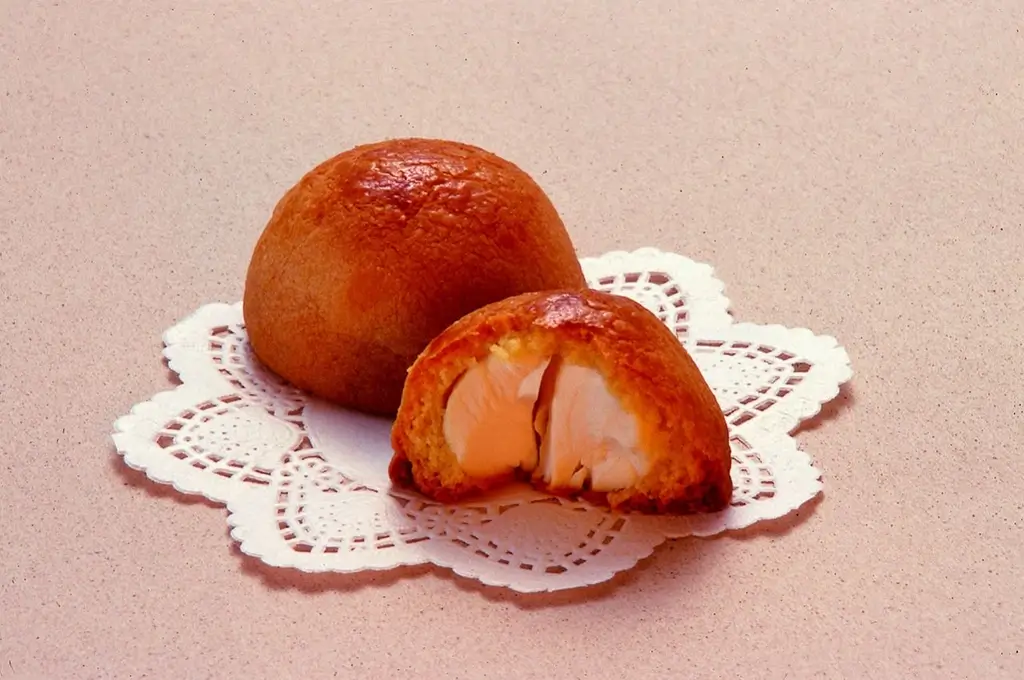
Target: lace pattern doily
(306,484)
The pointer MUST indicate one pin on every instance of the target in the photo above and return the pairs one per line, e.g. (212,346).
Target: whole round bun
(376,251)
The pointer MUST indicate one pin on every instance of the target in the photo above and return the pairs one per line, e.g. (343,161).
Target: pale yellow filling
(589,435)
(493,420)
(488,422)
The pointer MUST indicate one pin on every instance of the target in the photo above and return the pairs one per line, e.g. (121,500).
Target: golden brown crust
(377,250)
(646,368)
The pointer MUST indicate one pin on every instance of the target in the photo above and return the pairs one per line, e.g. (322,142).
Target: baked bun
(581,392)
(377,250)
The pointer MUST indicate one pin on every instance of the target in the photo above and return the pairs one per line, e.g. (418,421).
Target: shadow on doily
(136,479)
(845,400)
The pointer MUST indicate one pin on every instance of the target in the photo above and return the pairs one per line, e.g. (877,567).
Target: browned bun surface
(681,426)
(377,250)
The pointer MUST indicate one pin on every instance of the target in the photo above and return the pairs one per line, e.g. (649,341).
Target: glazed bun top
(376,251)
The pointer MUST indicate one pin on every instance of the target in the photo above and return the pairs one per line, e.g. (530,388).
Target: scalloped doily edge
(834,369)
(240,514)
(180,339)
(129,446)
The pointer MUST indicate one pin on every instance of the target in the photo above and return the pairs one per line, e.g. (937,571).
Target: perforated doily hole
(656,291)
(231,353)
(228,438)
(754,377)
(753,479)
(320,510)
(573,536)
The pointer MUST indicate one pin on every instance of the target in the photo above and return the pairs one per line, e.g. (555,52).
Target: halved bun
(614,405)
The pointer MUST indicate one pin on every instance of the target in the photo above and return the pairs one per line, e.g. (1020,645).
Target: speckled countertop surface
(857,168)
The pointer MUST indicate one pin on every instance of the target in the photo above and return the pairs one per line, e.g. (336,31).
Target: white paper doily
(306,484)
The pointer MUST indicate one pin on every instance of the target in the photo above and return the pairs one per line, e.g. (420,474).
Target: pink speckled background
(855,167)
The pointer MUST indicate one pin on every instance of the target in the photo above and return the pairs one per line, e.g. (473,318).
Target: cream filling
(500,409)
(488,422)
(589,436)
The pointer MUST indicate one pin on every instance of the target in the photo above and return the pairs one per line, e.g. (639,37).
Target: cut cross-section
(588,440)
(488,420)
